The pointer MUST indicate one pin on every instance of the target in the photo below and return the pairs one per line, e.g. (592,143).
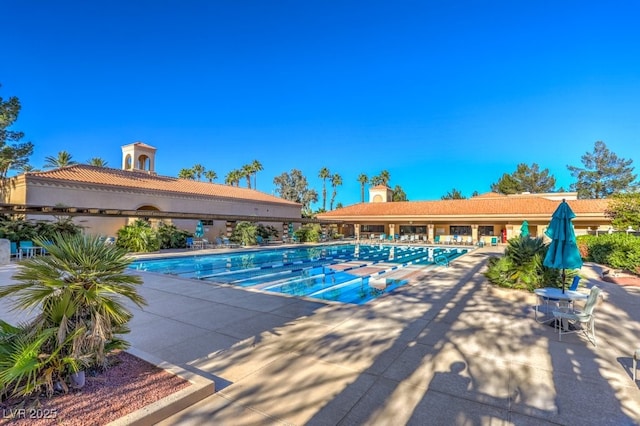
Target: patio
(447,348)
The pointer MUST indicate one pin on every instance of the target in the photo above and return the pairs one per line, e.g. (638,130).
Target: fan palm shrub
(521,266)
(77,293)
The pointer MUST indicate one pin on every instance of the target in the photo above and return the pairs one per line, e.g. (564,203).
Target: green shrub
(138,237)
(266,232)
(308,233)
(244,233)
(618,250)
(169,236)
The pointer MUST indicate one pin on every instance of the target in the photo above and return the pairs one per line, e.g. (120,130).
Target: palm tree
(28,168)
(257,167)
(62,160)
(211,175)
(363,179)
(233,177)
(336,180)
(324,175)
(187,174)
(246,172)
(97,161)
(78,291)
(198,170)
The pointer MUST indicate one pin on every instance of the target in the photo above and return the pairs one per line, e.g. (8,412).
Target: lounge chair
(574,321)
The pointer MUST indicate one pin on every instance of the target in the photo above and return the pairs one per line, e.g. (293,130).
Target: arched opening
(127,162)
(144,162)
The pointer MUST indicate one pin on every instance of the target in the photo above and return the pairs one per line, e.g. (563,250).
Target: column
(474,233)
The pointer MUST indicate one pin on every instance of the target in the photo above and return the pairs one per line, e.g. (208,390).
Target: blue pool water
(347,273)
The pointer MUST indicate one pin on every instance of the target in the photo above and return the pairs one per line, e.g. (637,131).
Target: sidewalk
(444,349)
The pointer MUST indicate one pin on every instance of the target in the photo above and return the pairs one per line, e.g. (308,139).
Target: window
(485,230)
(372,228)
(412,229)
(460,230)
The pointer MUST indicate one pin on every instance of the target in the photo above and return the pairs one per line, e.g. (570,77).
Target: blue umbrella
(199,230)
(524,229)
(563,251)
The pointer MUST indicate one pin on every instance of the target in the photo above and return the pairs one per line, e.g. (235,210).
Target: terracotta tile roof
(469,207)
(92,175)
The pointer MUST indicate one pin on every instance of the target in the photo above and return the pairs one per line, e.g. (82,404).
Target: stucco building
(476,218)
(137,187)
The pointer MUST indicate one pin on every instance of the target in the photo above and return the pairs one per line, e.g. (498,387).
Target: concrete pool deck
(445,349)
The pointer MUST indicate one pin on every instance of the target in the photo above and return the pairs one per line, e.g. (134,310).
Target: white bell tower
(139,157)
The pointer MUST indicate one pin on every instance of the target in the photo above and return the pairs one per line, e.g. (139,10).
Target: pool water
(347,273)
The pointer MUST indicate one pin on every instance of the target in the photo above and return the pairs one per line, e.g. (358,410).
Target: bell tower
(139,157)
(380,194)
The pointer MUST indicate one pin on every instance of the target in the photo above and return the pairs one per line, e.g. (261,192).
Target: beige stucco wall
(40,194)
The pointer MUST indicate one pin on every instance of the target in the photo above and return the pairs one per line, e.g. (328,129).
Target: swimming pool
(347,273)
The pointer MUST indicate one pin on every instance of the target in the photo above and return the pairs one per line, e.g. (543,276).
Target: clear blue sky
(442,94)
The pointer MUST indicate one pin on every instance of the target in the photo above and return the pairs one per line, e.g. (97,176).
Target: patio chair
(494,241)
(190,243)
(436,239)
(15,253)
(574,321)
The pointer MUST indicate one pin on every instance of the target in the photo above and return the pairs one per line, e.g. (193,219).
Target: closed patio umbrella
(199,230)
(524,229)
(563,251)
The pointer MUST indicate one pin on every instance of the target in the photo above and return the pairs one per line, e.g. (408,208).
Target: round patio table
(553,294)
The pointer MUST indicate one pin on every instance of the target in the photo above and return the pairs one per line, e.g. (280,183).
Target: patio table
(553,294)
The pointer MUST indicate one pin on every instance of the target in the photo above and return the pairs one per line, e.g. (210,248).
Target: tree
(525,179)
(382,179)
(363,179)
(63,159)
(324,175)
(14,155)
(198,170)
(336,181)
(233,177)
(398,194)
(246,172)
(624,210)
(256,167)
(604,174)
(210,175)
(97,162)
(294,187)
(454,194)
(187,174)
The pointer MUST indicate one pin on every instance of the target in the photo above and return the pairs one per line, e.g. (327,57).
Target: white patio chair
(574,321)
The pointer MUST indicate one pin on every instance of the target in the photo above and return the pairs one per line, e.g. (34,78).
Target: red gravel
(122,389)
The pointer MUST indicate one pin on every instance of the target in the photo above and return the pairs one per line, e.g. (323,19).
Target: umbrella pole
(563,279)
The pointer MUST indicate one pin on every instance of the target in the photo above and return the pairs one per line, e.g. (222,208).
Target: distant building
(137,187)
(477,218)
